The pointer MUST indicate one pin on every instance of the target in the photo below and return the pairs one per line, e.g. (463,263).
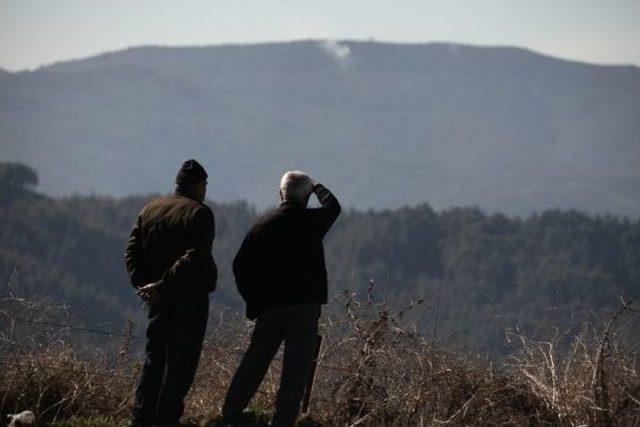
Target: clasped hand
(150,293)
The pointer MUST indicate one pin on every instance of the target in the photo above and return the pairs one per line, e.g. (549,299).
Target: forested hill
(482,272)
(506,129)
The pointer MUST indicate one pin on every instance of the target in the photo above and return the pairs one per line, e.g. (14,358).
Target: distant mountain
(383,124)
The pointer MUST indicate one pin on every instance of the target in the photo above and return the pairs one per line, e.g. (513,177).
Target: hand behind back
(150,293)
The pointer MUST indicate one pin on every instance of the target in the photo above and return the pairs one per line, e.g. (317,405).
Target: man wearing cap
(168,257)
(280,273)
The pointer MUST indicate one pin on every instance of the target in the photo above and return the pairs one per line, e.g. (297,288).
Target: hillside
(478,274)
(387,125)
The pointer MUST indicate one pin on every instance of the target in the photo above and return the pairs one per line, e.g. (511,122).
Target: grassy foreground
(375,369)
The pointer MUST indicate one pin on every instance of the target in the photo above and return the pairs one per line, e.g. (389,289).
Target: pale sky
(37,32)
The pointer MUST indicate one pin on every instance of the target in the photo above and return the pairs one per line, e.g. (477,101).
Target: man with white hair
(280,273)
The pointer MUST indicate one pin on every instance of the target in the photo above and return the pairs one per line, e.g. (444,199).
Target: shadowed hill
(480,273)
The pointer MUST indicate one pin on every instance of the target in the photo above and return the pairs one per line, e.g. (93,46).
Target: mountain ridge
(503,128)
(315,40)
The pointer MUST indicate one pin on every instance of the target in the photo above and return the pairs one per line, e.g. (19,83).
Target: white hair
(295,186)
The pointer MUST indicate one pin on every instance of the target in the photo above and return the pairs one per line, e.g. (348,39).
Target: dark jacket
(171,242)
(281,260)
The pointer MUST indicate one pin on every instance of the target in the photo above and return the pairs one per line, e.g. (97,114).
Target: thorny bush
(374,368)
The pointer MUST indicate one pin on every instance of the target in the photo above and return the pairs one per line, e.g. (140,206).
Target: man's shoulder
(197,209)
(157,201)
(279,217)
(176,203)
(265,219)
(153,205)
(204,211)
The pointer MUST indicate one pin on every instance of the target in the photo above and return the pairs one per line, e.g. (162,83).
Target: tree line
(477,274)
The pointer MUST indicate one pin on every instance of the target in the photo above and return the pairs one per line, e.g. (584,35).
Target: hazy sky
(36,32)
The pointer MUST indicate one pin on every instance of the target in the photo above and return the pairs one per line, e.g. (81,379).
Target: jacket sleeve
(200,235)
(244,269)
(324,216)
(134,255)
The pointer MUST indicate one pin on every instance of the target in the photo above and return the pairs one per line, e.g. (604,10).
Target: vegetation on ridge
(485,273)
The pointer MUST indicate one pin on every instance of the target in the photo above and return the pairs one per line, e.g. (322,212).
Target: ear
(281,196)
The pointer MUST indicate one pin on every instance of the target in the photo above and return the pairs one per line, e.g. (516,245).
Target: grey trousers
(297,326)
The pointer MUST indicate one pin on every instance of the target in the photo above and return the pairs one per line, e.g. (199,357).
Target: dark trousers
(174,341)
(297,326)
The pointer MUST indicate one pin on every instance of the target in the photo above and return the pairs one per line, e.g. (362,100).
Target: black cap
(191,173)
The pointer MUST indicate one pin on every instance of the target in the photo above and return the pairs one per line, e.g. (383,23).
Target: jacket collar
(289,204)
(185,193)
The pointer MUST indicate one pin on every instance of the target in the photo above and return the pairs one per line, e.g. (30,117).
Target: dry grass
(374,369)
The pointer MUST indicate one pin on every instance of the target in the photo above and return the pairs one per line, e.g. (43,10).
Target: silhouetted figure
(169,261)
(280,273)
